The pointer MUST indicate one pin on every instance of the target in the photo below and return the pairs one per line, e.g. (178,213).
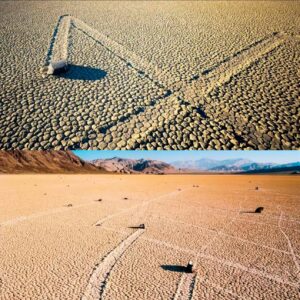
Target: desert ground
(78,237)
(150,75)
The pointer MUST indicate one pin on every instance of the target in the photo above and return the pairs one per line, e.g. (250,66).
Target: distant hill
(238,165)
(281,169)
(25,161)
(122,165)
(209,164)
(251,166)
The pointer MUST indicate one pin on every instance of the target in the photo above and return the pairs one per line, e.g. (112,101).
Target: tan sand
(58,242)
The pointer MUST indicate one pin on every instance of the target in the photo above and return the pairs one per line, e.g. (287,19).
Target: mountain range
(122,165)
(238,165)
(205,164)
(24,161)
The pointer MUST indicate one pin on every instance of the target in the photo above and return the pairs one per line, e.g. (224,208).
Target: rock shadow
(76,72)
(141,226)
(174,268)
(258,210)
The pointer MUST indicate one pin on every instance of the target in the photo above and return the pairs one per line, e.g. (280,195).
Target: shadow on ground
(76,72)
(135,227)
(174,268)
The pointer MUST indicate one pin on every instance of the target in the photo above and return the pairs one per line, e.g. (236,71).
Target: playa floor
(150,75)
(78,237)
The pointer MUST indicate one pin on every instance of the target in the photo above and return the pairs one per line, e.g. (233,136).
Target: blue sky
(170,156)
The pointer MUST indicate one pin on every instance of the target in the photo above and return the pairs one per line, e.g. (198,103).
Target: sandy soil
(156,75)
(59,242)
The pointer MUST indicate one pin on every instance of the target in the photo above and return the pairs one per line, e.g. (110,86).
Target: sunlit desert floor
(74,237)
(150,75)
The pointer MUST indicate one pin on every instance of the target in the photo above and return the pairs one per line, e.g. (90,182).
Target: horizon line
(169,156)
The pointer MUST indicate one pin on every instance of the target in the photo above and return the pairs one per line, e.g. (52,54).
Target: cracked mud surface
(150,75)
(95,250)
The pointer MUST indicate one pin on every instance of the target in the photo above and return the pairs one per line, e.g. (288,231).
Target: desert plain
(78,237)
(150,75)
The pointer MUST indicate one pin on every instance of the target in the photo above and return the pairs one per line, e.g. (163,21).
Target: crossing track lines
(226,235)
(189,94)
(186,284)
(58,50)
(239,266)
(194,93)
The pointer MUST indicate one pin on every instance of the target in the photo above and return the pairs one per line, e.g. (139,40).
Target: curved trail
(290,247)
(96,286)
